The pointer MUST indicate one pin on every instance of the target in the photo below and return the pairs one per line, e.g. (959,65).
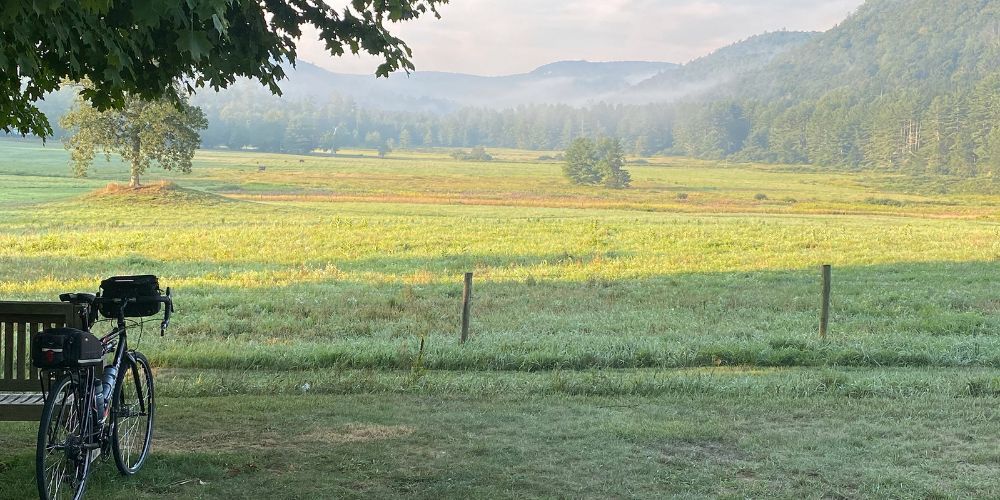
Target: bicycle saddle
(78,298)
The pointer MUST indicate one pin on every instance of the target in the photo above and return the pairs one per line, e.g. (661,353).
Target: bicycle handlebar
(163,299)
(134,300)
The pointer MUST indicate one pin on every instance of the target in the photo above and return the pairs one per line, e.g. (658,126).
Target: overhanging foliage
(142,47)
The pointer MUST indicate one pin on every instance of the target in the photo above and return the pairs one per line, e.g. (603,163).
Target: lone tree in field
(141,48)
(144,133)
(597,163)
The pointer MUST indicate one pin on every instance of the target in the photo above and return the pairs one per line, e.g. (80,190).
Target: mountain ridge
(572,82)
(564,82)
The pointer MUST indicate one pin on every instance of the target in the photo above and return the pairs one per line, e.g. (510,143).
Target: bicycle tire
(51,463)
(132,414)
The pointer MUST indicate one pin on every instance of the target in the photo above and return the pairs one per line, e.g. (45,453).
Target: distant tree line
(910,87)
(955,133)
(252,119)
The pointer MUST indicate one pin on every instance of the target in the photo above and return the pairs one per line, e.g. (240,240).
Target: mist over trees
(254,119)
(910,86)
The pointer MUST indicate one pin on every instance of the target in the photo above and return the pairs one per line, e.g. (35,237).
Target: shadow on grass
(908,314)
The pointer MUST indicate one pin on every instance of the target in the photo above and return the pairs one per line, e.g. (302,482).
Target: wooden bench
(20,389)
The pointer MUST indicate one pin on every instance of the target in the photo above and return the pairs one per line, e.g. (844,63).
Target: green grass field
(660,340)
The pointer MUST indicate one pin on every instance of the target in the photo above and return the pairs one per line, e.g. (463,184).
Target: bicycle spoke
(56,480)
(131,435)
(133,416)
(61,473)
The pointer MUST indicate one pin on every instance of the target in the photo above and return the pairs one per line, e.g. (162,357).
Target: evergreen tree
(405,138)
(597,163)
(581,162)
(610,165)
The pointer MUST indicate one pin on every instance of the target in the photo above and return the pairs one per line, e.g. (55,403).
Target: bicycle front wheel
(62,462)
(132,414)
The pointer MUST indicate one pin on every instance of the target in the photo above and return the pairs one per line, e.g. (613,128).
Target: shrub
(760,197)
(888,202)
(682,196)
(477,153)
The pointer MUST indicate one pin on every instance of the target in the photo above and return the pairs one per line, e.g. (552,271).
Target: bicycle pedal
(95,454)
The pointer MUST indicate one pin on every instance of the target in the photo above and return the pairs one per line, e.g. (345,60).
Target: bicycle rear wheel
(61,462)
(132,414)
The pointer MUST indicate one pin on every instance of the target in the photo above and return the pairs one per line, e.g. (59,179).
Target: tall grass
(267,281)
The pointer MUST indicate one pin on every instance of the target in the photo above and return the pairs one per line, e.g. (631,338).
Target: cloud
(491,37)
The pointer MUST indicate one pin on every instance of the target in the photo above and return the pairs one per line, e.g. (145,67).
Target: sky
(500,37)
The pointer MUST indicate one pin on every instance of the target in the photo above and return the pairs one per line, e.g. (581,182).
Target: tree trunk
(134,179)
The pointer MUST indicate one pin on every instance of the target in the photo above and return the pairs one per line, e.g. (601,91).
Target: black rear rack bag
(55,348)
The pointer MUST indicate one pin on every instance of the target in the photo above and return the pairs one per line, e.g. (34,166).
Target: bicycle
(88,413)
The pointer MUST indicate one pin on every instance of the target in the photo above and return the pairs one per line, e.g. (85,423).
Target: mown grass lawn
(444,444)
(625,343)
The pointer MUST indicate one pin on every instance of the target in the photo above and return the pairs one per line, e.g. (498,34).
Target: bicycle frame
(121,350)
(88,382)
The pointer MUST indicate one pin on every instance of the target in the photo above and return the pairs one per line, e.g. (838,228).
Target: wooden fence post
(466,306)
(824,314)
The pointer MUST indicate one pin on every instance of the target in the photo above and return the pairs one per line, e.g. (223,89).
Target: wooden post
(824,314)
(466,306)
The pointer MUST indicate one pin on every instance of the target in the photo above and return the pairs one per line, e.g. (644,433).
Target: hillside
(709,73)
(910,85)
(930,46)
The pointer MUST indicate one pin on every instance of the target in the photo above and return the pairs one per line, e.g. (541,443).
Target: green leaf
(97,6)
(147,13)
(196,43)
(395,10)
(157,42)
(220,25)
(45,6)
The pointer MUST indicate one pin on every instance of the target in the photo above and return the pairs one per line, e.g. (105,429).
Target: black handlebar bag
(65,348)
(131,287)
